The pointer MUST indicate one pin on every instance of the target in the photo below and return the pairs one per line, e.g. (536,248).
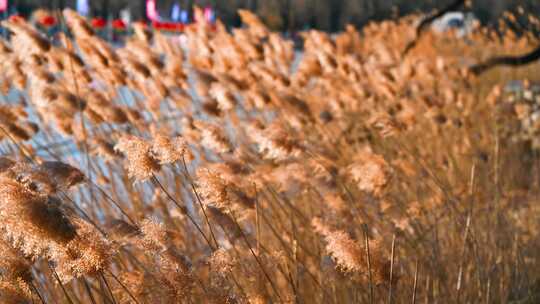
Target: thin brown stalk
(88,291)
(68,298)
(21,148)
(123,287)
(198,198)
(36,290)
(257,219)
(283,244)
(390,290)
(183,209)
(368,258)
(244,237)
(415,282)
(488,290)
(110,199)
(108,287)
(462,255)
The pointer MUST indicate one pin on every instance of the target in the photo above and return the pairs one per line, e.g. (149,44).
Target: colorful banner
(175,12)
(209,14)
(151,11)
(3,5)
(184,16)
(83,7)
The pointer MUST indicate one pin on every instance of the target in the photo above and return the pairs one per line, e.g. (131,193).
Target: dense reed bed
(236,170)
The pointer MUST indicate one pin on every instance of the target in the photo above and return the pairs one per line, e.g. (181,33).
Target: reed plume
(141,164)
(319,174)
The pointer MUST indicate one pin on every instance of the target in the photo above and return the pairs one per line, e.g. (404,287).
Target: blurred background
(284,15)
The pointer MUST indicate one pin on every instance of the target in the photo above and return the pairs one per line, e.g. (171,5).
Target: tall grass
(236,171)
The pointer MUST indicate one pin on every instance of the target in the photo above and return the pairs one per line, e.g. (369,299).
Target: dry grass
(220,173)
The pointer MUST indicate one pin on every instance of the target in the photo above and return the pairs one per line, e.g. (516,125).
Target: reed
(233,170)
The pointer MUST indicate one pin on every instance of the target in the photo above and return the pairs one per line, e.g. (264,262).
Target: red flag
(119,25)
(98,23)
(48,21)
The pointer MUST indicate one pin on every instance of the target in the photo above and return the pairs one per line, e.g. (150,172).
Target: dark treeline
(329,15)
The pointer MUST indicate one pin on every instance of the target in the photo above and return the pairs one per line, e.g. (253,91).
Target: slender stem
(257,219)
(89,291)
(199,201)
(37,292)
(462,256)
(392,269)
(366,238)
(113,202)
(123,287)
(22,148)
(274,288)
(183,210)
(108,287)
(488,290)
(61,285)
(415,283)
